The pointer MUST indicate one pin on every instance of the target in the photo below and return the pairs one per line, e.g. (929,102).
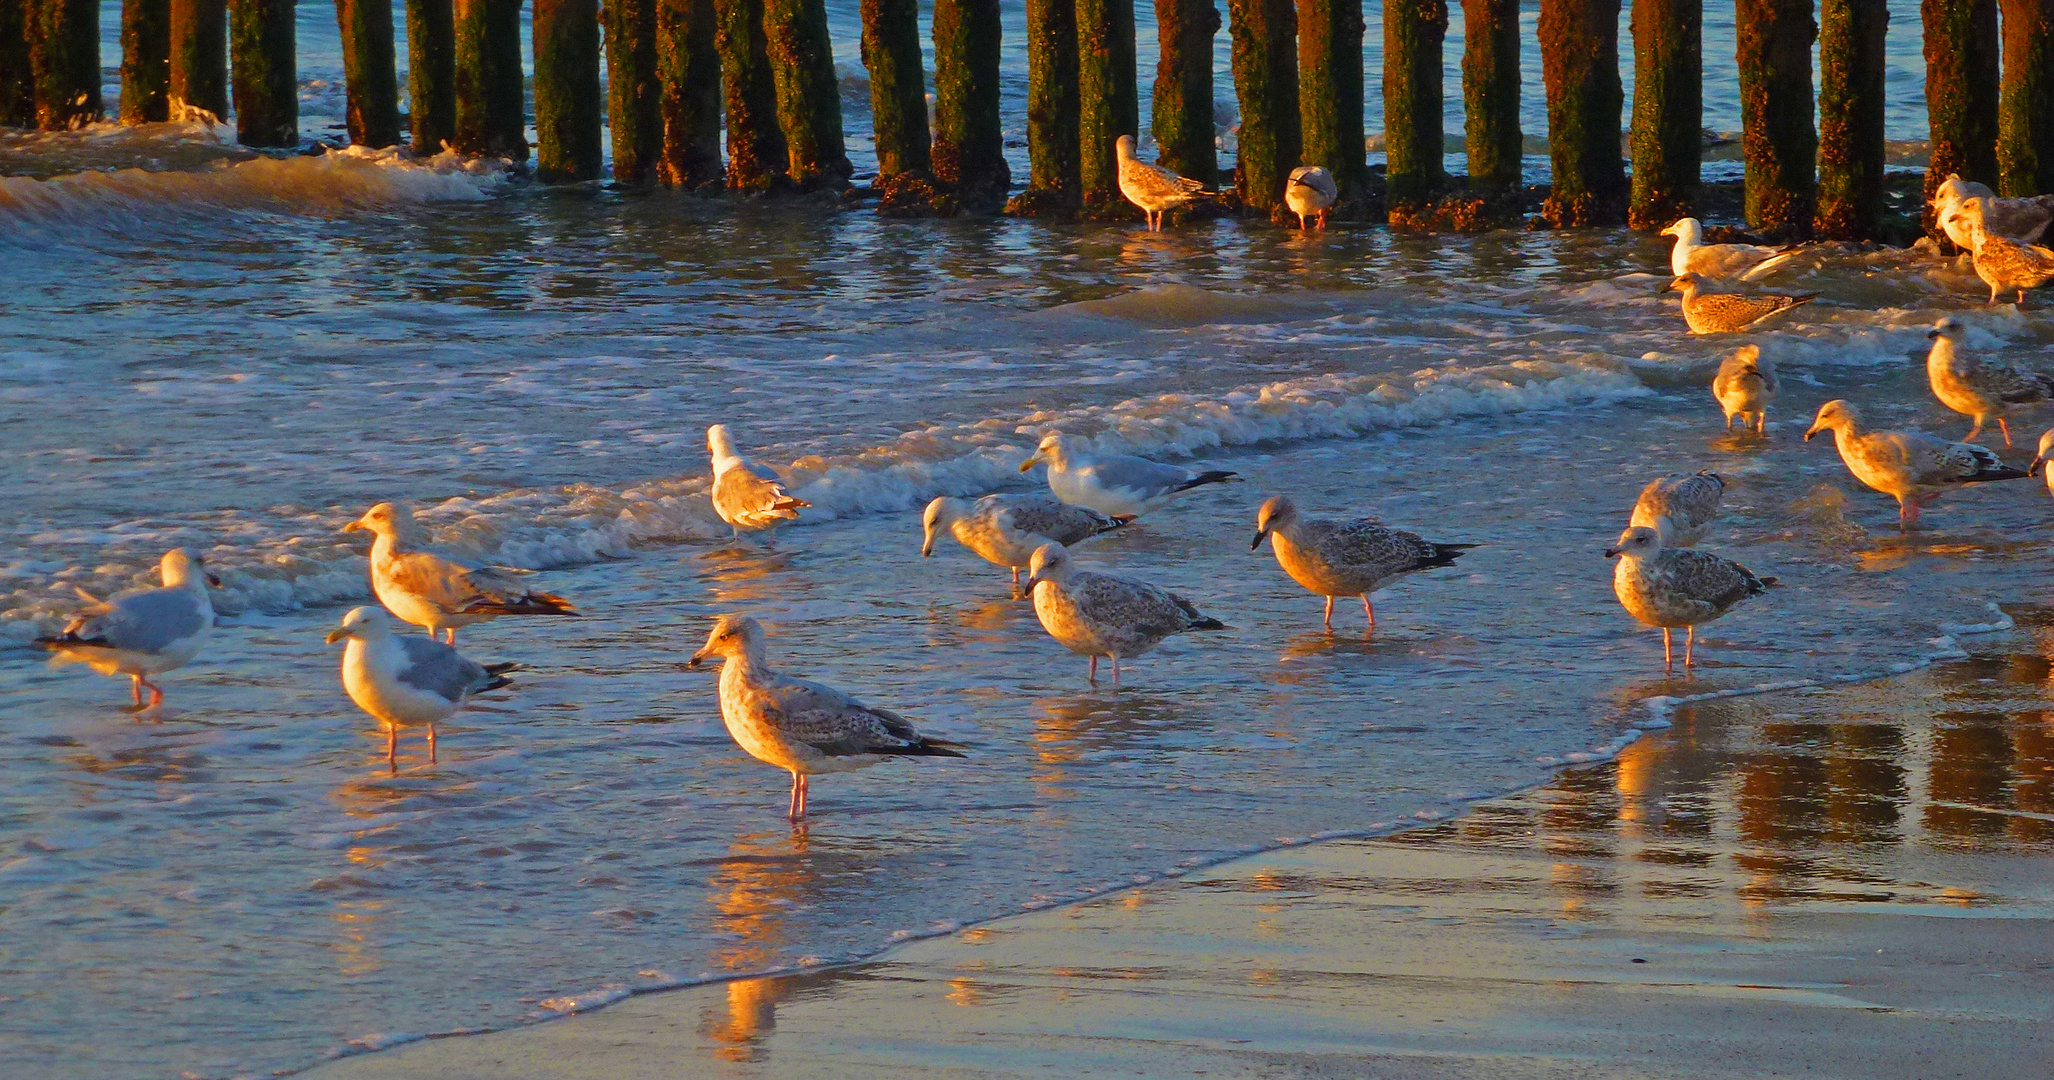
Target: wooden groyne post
(634,92)
(145,61)
(969,152)
(1850,200)
(263,70)
(1668,111)
(1414,32)
(1961,47)
(1107,105)
(1774,50)
(1053,183)
(1490,94)
(431,74)
(1579,42)
(1330,131)
(491,100)
(809,97)
(755,144)
(1181,116)
(688,66)
(370,71)
(568,113)
(64,57)
(199,58)
(2025,121)
(1265,65)
(17,72)
(898,86)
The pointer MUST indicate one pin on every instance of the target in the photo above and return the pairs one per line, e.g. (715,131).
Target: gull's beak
(337,634)
(2034,468)
(214,580)
(1814,431)
(1931,334)
(1030,462)
(1032,581)
(697,661)
(927,546)
(355,526)
(1259,534)
(1611,551)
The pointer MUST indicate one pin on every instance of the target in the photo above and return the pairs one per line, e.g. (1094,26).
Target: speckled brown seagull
(2006,265)
(1681,508)
(1345,558)
(1727,313)
(1980,388)
(1670,587)
(1154,189)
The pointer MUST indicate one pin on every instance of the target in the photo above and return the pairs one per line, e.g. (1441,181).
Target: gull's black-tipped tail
(2004,472)
(1207,622)
(1444,555)
(1215,476)
(534,603)
(926,747)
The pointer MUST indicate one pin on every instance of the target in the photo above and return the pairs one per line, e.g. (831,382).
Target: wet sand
(1855,882)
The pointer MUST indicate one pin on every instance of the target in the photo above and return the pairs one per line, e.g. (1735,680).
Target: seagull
(1671,587)
(407,681)
(1744,387)
(1096,615)
(145,633)
(1959,204)
(799,726)
(1748,262)
(747,495)
(1310,193)
(1154,189)
(1725,313)
(436,591)
(2008,265)
(1913,467)
(1345,558)
(1116,485)
(1005,529)
(2041,459)
(1681,508)
(1979,389)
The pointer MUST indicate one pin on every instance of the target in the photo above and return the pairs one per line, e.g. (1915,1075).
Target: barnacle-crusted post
(263,63)
(1181,118)
(491,101)
(1107,106)
(1962,46)
(370,72)
(64,55)
(145,60)
(1414,31)
(1579,42)
(969,145)
(809,96)
(568,113)
(431,74)
(898,85)
(755,145)
(1851,118)
(1774,49)
(688,64)
(1668,111)
(1490,94)
(634,92)
(1265,63)
(2025,124)
(1052,147)
(199,59)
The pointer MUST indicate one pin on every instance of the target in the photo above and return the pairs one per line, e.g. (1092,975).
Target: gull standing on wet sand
(1692,255)
(1345,558)
(1980,389)
(1681,508)
(2007,265)
(747,495)
(1670,587)
(1005,529)
(1154,189)
(1116,485)
(1095,615)
(406,681)
(1744,387)
(1727,313)
(1310,193)
(437,591)
(1913,467)
(145,633)
(802,727)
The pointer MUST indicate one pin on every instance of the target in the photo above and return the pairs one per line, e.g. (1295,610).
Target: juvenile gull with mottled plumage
(1913,467)
(439,591)
(1096,615)
(1154,189)
(1681,508)
(746,495)
(1005,529)
(1960,205)
(406,681)
(2008,265)
(1744,387)
(1345,558)
(1980,388)
(1116,485)
(1670,587)
(145,633)
(1726,313)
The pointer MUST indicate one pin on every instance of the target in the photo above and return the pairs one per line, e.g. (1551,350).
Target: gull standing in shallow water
(1345,558)
(1681,508)
(437,591)
(747,495)
(1692,255)
(1910,466)
(1745,385)
(1096,615)
(1980,389)
(802,727)
(1311,193)
(2041,459)
(146,633)
(1116,485)
(1154,189)
(1005,529)
(1671,587)
(1727,313)
(2008,265)
(406,681)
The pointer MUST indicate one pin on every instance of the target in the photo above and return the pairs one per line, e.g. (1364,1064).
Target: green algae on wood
(263,72)
(145,61)
(688,66)
(17,73)
(1851,66)
(199,59)
(755,144)
(1265,63)
(1774,52)
(1107,102)
(1181,114)
(1490,94)
(431,74)
(2025,121)
(634,90)
(370,72)
(1052,141)
(809,96)
(1668,111)
(1962,45)
(568,109)
(1414,31)
(64,60)
(491,98)
(969,151)
(1579,41)
(898,85)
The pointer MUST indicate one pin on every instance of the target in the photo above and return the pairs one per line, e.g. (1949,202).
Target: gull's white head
(2040,460)
(1748,356)
(362,623)
(1686,230)
(734,637)
(1125,147)
(1950,330)
(1051,562)
(1278,513)
(1054,449)
(1953,191)
(180,567)
(940,514)
(1638,542)
(721,444)
(1835,415)
(394,521)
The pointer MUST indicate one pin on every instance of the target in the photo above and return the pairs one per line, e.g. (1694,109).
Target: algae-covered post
(1330,130)
(199,59)
(568,114)
(1052,149)
(634,93)
(491,100)
(1774,49)
(809,96)
(431,74)
(1414,31)
(755,144)
(1181,116)
(1962,46)
(1490,93)
(2025,124)
(1668,111)
(1579,43)
(1265,64)
(17,79)
(370,71)
(1851,63)
(898,85)
(64,56)
(969,145)
(145,61)
(688,64)
(263,71)
(1107,106)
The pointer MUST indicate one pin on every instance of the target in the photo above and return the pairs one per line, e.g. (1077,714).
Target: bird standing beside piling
(1154,189)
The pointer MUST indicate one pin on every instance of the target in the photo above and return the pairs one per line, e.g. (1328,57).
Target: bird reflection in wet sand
(764,877)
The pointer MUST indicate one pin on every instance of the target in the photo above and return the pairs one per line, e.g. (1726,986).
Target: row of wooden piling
(679,68)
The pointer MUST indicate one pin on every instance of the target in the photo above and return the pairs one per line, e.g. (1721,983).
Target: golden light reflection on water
(755,888)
